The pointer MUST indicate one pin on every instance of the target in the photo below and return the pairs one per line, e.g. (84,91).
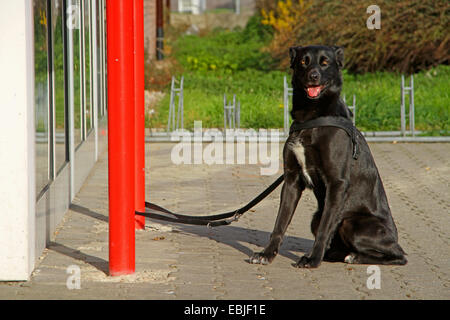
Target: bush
(242,68)
(261,91)
(413,36)
(222,51)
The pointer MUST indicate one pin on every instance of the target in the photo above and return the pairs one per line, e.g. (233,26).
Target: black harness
(338,122)
(154,211)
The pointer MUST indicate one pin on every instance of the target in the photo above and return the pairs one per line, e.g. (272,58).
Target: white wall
(17,185)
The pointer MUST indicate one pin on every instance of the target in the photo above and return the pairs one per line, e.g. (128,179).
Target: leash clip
(236,216)
(228,221)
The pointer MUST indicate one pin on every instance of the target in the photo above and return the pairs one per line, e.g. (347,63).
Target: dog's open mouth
(314,91)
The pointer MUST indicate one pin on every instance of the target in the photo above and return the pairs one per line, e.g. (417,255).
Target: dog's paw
(260,258)
(351,258)
(307,262)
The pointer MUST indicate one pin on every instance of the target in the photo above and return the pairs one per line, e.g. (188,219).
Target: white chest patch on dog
(299,152)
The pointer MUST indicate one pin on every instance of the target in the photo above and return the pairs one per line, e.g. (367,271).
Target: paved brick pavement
(191,262)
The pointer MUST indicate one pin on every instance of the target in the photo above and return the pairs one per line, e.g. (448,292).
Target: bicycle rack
(407,90)
(173,125)
(287,92)
(231,113)
(352,108)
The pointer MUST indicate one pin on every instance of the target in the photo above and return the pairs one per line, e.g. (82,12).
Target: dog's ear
(339,52)
(293,54)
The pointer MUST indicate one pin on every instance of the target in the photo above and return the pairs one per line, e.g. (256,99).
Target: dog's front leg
(290,195)
(331,218)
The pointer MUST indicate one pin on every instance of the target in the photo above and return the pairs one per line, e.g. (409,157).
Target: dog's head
(317,70)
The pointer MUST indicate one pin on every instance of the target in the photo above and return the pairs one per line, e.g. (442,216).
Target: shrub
(413,36)
(285,18)
(222,51)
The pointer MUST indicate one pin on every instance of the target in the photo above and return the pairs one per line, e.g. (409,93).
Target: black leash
(154,211)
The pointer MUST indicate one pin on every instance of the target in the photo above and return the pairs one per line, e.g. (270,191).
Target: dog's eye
(304,61)
(324,62)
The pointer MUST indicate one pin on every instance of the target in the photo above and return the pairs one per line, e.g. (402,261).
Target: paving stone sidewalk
(193,262)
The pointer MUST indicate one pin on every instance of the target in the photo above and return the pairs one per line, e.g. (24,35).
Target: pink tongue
(313,91)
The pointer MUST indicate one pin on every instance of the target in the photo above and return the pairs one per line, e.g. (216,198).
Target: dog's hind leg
(337,250)
(290,195)
(372,242)
(359,258)
(319,192)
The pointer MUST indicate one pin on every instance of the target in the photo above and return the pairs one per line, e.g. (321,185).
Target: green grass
(378,100)
(232,62)
(261,103)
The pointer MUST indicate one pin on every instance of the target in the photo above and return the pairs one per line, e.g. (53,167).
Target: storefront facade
(53,102)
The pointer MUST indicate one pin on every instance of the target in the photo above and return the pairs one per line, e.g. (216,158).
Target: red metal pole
(139,109)
(120,51)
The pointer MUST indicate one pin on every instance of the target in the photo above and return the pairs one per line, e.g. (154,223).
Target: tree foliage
(413,35)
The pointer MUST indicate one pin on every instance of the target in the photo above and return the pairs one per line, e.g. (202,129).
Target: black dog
(353,222)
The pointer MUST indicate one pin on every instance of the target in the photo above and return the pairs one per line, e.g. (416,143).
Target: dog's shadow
(235,236)
(239,238)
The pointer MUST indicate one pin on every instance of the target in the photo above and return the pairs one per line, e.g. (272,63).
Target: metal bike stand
(287,93)
(231,113)
(352,108)
(407,90)
(173,125)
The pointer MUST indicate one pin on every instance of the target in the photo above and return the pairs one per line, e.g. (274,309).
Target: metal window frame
(50,151)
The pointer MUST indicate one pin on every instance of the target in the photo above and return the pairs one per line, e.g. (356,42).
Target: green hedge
(414,34)
(260,89)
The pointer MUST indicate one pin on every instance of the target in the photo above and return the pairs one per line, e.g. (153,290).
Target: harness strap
(339,122)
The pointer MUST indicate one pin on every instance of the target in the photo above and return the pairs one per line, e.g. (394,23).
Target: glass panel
(58,85)
(105,67)
(99,58)
(74,67)
(87,63)
(41,93)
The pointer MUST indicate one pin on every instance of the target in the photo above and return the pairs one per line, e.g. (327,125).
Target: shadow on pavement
(238,238)
(88,212)
(234,236)
(98,263)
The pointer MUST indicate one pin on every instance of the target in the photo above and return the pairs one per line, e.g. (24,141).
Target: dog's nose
(314,75)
